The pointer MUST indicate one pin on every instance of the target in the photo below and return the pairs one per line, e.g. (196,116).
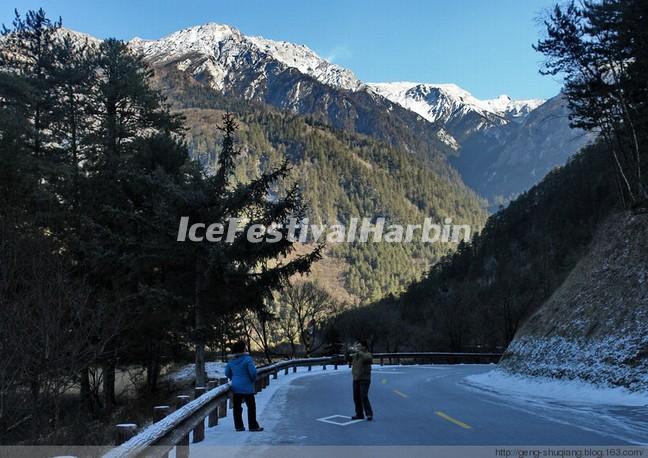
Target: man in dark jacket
(361,371)
(242,372)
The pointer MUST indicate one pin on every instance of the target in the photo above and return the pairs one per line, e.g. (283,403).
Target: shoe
(370,418)
(257,429)
(240,429)
(357,417)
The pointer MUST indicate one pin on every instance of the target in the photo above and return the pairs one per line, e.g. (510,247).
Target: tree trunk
(108,372)
(199,340)
(85,399)
(35,388)
(153,369)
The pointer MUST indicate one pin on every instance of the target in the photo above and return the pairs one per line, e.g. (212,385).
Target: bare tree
(305,306)
(261,328)
(48,331)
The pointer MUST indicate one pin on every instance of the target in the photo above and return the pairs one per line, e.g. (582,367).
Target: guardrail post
(199,430)
(182,399)
(222,408)
(159,412)
(274,375)
(182,448)
(310,367)
(323,367)
(286,371)
(124,431)
(294,369)
(335,366)
(212,419)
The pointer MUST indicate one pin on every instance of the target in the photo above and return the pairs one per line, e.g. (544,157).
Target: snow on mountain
(495,141)
(440,102)
(461,114)
(221,51)
(306,61)
(231,62)
(227,49)
(511,109)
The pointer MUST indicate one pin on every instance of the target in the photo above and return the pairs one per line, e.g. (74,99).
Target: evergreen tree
(240,275)
(598,48)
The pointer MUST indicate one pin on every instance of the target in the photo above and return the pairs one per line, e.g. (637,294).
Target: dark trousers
(250,403)
(361,398)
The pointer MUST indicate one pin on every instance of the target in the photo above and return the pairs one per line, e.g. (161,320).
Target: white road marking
(330,420)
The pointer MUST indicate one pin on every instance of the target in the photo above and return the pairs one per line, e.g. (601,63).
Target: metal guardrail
(210,403)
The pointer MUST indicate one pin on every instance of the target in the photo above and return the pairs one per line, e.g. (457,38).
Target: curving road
(429,405)
(432,405)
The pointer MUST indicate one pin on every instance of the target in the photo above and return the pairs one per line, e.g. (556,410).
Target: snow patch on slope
(440,101)
(563,390)
(307,62)
(226,48)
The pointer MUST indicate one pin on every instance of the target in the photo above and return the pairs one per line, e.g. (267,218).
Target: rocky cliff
(595,325)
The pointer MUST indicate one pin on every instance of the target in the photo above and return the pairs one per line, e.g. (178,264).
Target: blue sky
(482,45)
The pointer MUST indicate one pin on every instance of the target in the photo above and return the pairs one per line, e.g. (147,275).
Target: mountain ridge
(481,138)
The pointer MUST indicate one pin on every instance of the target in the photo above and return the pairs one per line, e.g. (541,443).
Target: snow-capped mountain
(220,50)
(461,114)
(286,76)
(521,154)
(439,102)
(500,146)
(503,146)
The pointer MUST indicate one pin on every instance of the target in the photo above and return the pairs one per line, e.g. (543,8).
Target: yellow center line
(402,395)
(384,381)
(453,420)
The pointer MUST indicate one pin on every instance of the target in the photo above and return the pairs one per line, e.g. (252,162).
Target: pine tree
(598,48)
(240,275)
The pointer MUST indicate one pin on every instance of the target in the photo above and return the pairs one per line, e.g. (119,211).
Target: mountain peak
(435,101)
(224,46)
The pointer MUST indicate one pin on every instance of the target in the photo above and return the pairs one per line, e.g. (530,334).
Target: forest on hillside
(95,174)
(98,164)
(342,175)
(526,250)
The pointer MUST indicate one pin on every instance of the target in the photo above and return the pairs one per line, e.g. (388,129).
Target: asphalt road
(433,405)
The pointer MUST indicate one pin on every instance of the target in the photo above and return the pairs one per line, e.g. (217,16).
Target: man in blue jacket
(242,372)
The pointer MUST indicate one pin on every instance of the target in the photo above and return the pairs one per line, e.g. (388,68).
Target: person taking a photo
(361,361)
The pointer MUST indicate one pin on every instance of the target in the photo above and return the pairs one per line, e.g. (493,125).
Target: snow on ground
(187,373)
(614,411)
(268,413)
(562,390)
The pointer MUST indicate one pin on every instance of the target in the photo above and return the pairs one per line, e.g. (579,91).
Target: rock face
(461,114)
(595,326)
(504,161)
(501,147)
(290,77)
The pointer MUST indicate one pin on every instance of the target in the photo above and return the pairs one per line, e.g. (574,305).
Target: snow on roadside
(502,382)
(187,373)
(224,433)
